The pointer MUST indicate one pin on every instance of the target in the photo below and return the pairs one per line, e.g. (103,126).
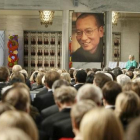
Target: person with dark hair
(110,92)
(117,71)
(90,78)
(89,31)
(4,75)
(80,78)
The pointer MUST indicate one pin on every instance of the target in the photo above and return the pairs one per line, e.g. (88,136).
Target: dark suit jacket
(44,100)
(62,129)
(49,111)
(77,86)
(47,124)
(44,90)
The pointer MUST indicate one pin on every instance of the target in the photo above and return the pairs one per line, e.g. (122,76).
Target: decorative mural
(13,50)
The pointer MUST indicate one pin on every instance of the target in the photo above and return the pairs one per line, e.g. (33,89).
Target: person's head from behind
(110,92)
(127,105)
(123,79)
(89,30)
(13,134)
(117,71)
(133,130)
(66,76)
(64,96)
(50,78)
(39,78)
(100,79)
(101,124)
(21,120)
(24,72)
(17,77)
(59,83)
(90,92)
(81,76)
(90,78)
(134,86)
(4,74)
(17,97)
(16,68)
(78,111)
(130,74)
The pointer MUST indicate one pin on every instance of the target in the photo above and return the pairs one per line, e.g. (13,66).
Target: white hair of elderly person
(90,92)
(122,79)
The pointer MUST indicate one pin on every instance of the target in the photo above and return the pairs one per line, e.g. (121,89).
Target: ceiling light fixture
(46,17)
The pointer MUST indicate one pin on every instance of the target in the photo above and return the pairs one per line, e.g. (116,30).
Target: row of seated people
(73,107)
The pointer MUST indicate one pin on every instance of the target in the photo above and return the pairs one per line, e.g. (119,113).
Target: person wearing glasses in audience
(89,33)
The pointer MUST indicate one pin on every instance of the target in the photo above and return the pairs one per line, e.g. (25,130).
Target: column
(108,34)
(65,40)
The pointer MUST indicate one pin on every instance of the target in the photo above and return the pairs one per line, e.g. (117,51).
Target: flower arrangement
(13,50)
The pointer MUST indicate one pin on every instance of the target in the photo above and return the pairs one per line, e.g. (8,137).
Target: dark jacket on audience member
(44,100)
(62,129)
(47,124)
(49,111)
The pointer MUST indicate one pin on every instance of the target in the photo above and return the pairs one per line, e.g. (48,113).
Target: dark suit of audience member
(62,129)
(80,79)
(49,111)
(64,98)
(46,99)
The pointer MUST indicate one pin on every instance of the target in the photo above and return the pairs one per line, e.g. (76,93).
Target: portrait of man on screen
(87,38)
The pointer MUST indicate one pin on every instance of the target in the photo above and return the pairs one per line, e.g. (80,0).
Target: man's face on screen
(88,33)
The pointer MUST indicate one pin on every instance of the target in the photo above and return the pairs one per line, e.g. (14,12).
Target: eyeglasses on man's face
(88,32)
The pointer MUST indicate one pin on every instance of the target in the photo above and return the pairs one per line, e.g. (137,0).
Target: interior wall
(129,29)
(16,25)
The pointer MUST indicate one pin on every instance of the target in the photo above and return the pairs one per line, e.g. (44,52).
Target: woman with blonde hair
(127,107)
(66,76)
(21,120)
(101,124)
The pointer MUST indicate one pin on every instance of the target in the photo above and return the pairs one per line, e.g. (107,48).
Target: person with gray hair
(123,79)
(91,92)
(131,63)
